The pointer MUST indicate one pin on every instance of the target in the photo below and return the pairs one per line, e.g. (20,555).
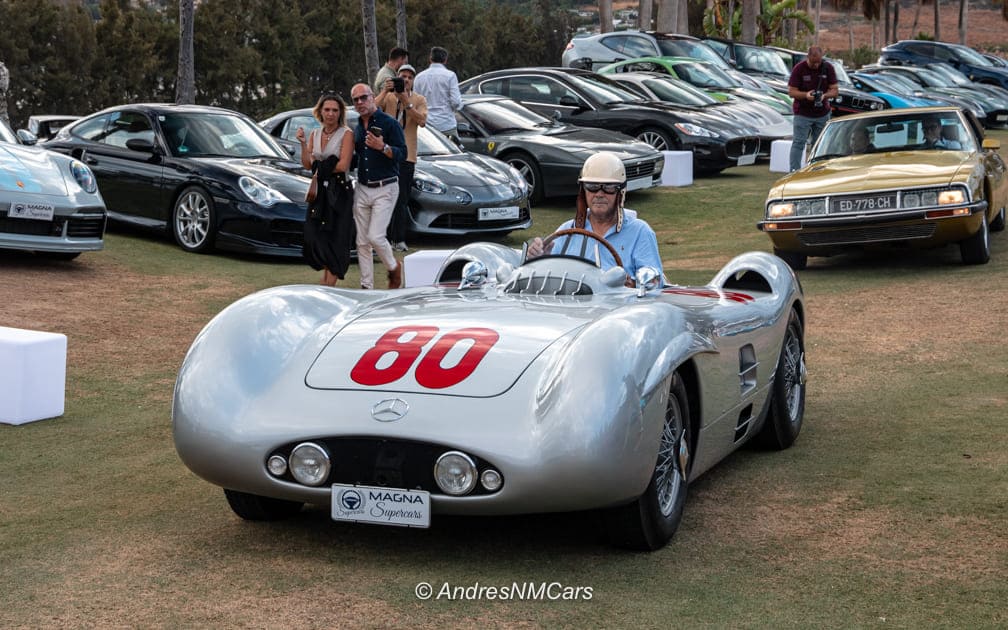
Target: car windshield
(674,91)
(842,77)
(904,132)
(899,84)
(431,142)
(705,75)
(971,56)
(760,60)
(202,134)
(505,115)
(933,79)
(6,135)
(602,90)
(950,73)
(697,50)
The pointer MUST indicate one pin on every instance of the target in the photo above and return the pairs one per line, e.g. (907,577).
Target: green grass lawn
(891,510)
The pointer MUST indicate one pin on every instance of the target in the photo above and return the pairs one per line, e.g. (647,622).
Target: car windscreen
(697,50)
(201,134)
(6,135)
(971,56)
(431,142)
(904,132)
(603,90)
(950,73)
(674,91)
(760,60)
(705,75)
(500,115)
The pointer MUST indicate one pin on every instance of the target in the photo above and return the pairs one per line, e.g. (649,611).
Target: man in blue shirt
(600,210)
(379,146)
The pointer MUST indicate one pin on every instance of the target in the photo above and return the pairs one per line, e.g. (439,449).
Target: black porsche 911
(209,177)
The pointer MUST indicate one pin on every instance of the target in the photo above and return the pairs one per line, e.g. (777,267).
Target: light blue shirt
(636,244)
(440,87)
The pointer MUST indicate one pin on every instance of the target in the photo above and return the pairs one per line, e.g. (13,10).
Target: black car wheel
(252,507)
(656,138)
(650,522)
(193,221)
(975,250)
(529,169)
(787,403)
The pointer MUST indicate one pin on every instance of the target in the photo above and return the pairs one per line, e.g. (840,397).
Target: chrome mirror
(647,279)
(474,275)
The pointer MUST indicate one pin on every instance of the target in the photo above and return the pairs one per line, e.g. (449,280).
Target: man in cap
(600,199)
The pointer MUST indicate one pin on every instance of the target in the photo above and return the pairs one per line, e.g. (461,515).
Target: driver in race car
(600,199)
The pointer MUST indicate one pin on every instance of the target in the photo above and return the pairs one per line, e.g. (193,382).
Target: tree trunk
(818,11)
(4,86)
(895,21)
(750,13)
(850,31)
(644,14)
(400,24)
(963,19)
(730,32)
(667,13)
(605,16)
(370,39)
(185,84)
(885,22)
(913,29)
(682,21)
(937,17)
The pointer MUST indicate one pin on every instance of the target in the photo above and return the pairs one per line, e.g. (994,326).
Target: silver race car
(510,386)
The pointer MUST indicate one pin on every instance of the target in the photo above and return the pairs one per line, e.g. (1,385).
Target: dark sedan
(583,98)
(453,192)
(963,58)
(547,153)
(210,177)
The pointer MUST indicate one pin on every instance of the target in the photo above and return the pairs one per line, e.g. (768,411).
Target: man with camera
(812,85)
(397,99)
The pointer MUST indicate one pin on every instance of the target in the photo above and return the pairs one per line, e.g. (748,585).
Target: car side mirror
(140,145)
(569,101)
(26,137)
(464,129)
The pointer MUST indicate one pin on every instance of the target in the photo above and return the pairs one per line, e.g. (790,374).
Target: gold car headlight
(950,197)
(780,210)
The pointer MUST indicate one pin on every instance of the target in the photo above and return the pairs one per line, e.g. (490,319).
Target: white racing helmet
(601,168)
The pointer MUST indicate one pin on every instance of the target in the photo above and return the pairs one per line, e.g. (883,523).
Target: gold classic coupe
(919,177)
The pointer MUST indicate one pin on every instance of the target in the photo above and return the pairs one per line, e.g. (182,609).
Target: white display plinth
(421,267)
(780,156)
(678,169)
(32,375)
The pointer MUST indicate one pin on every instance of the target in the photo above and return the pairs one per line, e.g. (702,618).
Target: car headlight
(519,180)
(309,464)
(659,165)
(85,178)
(780,210)
(949,197)
(260,193)
(695,130)
(455,473)
(429,184)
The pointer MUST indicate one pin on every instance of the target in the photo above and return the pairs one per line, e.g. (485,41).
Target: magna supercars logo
(390,410)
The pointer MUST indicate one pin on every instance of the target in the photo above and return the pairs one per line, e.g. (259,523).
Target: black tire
(975,250)
(998,224)
(787,403)
(58,255)
(529,169)
(193,220)
(795,261)
(650,522)
(657,138)
(252,507)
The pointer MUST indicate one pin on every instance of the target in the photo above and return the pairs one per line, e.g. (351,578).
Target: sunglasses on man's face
(609,189)
(361,98)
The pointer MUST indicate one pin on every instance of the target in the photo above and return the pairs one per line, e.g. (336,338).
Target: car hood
(516,330)
(714,123)
(283,175)
(860,173)
(584,140)
(30,170)
(466,170)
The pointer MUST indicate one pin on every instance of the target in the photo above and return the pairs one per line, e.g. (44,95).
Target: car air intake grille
(31,226)
(468,221)
(639,169)
(287,233)
(868,235)
(742,146)
(85,227)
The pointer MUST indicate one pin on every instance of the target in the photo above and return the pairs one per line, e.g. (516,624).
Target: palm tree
(185,84)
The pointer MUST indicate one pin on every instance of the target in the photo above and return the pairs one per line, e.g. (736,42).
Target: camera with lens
(817,98)
(398,84)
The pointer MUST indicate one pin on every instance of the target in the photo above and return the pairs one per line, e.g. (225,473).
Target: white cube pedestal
(678,169)
(32,375)
(421,267)
(780,156)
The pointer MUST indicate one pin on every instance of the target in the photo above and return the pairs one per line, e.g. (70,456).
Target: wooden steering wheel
(578,231)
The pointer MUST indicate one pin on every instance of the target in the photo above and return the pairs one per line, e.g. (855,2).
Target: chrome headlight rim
(469,475)
(309,469)
(260,193)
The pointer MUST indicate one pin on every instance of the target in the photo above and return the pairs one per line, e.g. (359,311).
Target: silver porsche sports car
(509,386)
(49,203)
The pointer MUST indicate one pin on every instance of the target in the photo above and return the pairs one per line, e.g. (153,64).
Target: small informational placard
(381,506)
(495,214)
(37,211)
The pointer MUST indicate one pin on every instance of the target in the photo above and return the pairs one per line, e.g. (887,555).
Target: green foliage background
(256,56)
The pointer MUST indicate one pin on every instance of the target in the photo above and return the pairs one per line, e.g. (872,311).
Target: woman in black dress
(328,151)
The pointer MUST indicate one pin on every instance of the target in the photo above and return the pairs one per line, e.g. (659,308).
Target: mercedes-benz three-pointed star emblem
(390,410)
